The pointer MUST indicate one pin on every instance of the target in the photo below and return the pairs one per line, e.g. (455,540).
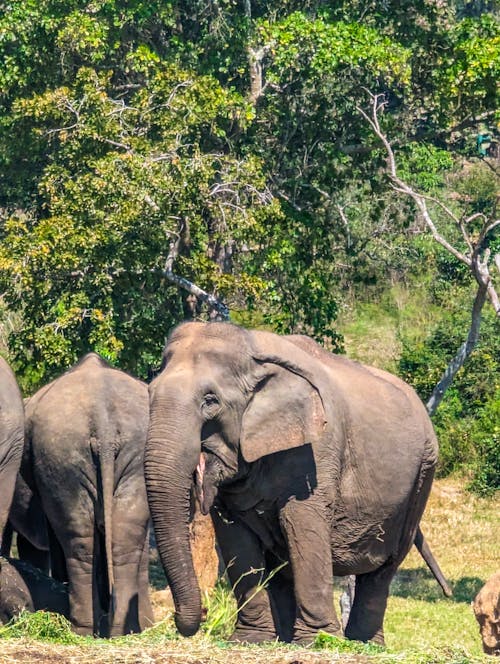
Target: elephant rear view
(85,437)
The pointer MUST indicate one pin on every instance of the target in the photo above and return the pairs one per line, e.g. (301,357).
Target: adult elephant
(304,458)
(85,436)
(11,438)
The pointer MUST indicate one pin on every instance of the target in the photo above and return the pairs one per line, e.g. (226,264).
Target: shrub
(466,421)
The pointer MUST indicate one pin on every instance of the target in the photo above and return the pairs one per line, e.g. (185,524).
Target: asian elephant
(26,588)
(11,438)
(84,456)
(305,460)
(27,520)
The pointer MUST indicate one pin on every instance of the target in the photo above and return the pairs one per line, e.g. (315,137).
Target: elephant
(26,588)
(486,606)
(84,454)
(310,465)
(11,438)
(27,520)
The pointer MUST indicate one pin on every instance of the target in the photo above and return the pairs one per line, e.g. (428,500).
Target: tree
(476,231)
(227,132)
(123,179)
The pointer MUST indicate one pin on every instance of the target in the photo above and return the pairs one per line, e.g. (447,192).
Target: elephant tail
(426,553)
(107,465)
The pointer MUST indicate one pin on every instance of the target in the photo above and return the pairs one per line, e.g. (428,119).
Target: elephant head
(225,398)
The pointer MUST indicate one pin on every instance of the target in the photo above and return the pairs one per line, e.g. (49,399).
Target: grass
(373,330)
(422,627)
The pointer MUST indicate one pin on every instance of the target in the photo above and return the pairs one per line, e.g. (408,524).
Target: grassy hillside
(421,625)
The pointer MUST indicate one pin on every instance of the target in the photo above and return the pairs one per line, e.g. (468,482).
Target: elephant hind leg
(283,604)
(366,620)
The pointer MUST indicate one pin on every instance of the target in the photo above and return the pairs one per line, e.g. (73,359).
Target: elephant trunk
(171,456)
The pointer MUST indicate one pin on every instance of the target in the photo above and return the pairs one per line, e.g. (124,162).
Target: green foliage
(42,626)
(221,611)
(324,641)
(123,180)
(424,165)
(466,422)
(485,436)
(126,126)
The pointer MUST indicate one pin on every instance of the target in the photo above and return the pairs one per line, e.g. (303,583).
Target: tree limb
(472,259)
(222,311)
(476,257)
(463,353)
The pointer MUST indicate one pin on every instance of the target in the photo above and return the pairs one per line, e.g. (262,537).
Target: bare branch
(476,259)
(213,302)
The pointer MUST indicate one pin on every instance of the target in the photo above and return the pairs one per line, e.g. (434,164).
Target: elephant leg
(73,550)
(283,604)
(58,569)
(79,556)
(246,569)
(32,555)
(130,530)
(366,620)
(146,617)
(6,540)
(307,532)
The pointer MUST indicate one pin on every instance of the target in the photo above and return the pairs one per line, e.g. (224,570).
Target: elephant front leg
(246,568)
(307,532)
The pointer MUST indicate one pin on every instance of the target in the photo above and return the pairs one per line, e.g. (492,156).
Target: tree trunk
(463,353)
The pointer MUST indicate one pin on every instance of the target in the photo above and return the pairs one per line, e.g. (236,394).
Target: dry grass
(421,626)
(170,653)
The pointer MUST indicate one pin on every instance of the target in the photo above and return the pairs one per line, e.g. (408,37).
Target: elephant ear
(286,409)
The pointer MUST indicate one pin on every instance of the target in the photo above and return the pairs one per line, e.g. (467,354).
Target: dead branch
(222,311)
(476,256)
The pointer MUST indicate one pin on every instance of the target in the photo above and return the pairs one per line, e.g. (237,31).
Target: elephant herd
(309,464)
(80,503)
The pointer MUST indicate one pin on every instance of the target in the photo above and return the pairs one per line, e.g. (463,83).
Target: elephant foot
(245,635)
(83,630)
(361,635)
(305,636)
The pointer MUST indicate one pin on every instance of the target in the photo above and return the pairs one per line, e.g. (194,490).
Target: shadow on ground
(418,583)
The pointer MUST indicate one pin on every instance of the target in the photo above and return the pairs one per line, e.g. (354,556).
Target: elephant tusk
(200,473)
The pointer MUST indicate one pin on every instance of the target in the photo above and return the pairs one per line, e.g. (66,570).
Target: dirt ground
(41,653)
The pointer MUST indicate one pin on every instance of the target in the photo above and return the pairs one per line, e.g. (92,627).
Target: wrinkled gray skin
(85,436)
(303,458)
(27,520)
(11,438)
(26,588)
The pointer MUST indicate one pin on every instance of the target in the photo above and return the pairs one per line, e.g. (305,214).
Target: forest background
(225,142)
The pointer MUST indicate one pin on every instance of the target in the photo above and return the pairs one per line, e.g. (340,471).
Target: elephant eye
(210,399)
(210,403)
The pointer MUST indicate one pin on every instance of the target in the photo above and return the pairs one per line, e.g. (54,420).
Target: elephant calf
(25,588)
(85,437)
(486,607)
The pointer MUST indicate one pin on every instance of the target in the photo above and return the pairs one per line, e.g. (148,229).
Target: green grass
(40,626)
(373,330)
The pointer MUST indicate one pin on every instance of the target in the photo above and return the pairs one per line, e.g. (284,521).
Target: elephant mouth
(206,479)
